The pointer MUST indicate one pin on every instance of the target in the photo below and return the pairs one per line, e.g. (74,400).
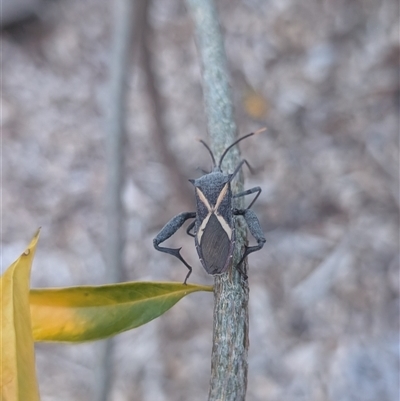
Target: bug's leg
(249,192)
(167,231)
(190,228)
(238,167)
(255,230)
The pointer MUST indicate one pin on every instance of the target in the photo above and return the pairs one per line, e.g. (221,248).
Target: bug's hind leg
(249,192)
(255,230)
(167,231)
(190,228)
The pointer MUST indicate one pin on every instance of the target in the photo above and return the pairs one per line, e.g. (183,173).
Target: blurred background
(324,78)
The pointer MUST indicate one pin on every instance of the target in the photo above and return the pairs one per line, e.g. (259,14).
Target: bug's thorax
(213,188)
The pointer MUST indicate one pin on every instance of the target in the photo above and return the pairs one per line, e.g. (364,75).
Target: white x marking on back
(213,210)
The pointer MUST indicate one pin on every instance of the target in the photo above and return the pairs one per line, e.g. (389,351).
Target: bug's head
(217,167)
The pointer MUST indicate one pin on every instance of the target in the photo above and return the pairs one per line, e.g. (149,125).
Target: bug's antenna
(209,150)
(236,142)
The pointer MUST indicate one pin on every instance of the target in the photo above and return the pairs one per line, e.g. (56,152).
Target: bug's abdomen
(215,247)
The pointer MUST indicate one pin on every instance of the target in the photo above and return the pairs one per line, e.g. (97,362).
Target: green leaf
(78,314)
(17,373)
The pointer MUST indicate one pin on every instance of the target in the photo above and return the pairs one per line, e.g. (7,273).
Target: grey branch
(230,337)
(158,131)
(115,141)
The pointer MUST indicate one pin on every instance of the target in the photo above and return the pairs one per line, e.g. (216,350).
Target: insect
(214,228)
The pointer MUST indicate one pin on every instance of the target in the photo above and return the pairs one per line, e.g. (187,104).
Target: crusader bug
(214,228)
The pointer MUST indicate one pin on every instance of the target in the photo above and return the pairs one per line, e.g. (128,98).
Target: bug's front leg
(167,231)
(249,192)
(255,230)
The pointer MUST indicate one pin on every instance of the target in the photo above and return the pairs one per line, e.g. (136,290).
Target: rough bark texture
(230,338)
(230,334)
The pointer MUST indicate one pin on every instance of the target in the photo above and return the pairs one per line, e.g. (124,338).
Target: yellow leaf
(77,314)
(17,373)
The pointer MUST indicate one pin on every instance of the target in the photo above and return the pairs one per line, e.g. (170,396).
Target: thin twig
(230,337)
(116,135)
(115,141)
(158,131)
